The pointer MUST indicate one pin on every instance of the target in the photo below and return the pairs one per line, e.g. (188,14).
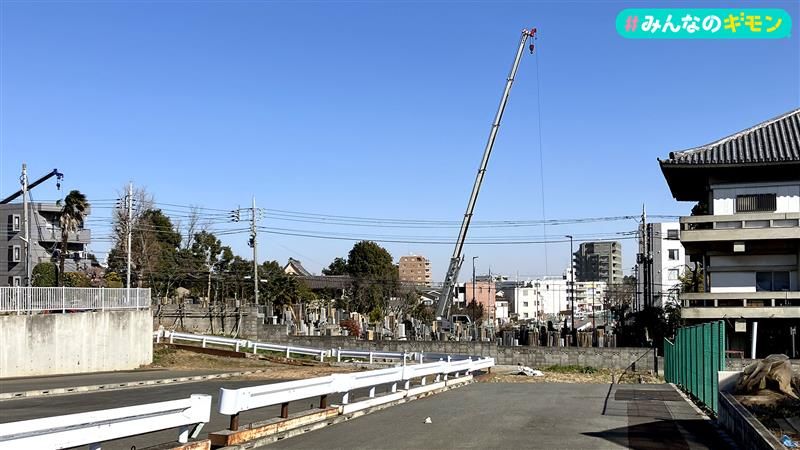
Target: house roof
(294,266)
(767,151)
(774,141)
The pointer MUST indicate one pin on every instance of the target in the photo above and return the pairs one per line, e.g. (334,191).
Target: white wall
(724,195)
(49,344)
(663,267)
(552,294)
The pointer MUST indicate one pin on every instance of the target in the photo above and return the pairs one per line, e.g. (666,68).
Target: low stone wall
(603,357)
(50,344)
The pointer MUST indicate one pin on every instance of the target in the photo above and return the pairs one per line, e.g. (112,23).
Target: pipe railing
(234,401)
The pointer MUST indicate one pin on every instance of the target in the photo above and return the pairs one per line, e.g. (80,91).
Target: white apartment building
(669,263)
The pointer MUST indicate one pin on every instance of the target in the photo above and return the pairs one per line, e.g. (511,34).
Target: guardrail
(93,428)
(204,340)
(62,299)
(370,356)
(234,401)
(289,350)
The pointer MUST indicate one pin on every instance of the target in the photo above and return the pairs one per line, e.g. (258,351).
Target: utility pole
(25,220)
(594,287)
(572,284)
(645,259)
(254,244)
(129,205)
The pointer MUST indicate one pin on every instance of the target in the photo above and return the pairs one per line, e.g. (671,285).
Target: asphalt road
(89,379)
(522,416)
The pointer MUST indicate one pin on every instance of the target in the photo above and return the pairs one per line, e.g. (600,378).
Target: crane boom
(55,173)
(443,304)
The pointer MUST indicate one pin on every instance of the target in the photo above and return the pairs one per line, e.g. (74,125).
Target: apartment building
(599,261)
(45,234)
(744,231)
(415,269)
(668,263)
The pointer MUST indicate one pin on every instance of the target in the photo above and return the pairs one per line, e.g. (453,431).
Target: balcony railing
(740,299)
(53,234)
(743,226)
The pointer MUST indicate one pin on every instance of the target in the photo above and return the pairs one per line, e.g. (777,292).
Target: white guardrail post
(92,428)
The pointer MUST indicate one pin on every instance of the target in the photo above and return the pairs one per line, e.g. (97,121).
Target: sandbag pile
(773,372)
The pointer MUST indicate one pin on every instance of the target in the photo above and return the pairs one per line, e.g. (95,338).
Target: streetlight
(473,277)
(572,285)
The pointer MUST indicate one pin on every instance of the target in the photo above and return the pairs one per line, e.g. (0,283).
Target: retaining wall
(50,344)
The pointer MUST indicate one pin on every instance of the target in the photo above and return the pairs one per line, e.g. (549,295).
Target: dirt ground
(274,368)
(773,409)
(508,374)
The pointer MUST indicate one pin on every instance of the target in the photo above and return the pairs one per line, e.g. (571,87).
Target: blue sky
(374,109)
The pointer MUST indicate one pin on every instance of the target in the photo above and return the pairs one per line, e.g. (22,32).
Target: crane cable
(541,161)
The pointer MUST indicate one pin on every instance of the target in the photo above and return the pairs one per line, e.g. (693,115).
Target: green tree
(156,262)
(44,275)
(112,280)
(375,277)
(692,280)
(337,267)
(76,279)
(71,218)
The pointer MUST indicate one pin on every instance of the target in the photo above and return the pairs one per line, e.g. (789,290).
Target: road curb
(125,385)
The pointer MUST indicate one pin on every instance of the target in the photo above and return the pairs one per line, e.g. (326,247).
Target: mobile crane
(451,277)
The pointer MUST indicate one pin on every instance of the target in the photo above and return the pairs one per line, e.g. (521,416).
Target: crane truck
(451,277)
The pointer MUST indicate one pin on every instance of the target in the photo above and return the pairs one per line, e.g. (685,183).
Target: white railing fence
(289,350)
(92,428)
(63,299)
(234,401)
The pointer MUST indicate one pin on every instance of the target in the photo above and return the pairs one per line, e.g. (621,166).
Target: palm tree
(72,214)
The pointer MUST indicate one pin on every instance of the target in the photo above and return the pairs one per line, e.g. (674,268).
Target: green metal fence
(693,360)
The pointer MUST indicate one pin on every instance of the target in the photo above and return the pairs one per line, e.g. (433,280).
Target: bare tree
(193,226)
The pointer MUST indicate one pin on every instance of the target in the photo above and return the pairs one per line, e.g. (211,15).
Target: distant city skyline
(374,110)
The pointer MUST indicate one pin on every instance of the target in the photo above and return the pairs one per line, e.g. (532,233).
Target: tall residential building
(669,262)
(45,234)
(415,269)
(744,230)
(599,261)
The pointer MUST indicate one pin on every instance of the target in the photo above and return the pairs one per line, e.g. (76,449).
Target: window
(525,315)
(673,274)
(15,223)
(16,256)
(756,203)
(674,254)
(772,281)
(672,234)
(524,304)
(17,281)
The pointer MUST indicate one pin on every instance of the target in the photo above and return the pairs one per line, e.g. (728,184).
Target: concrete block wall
(50,344)
(190,318)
